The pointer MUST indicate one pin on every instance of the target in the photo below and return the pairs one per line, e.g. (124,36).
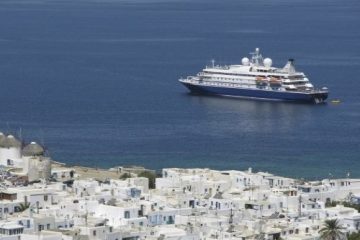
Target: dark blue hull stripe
(257,93)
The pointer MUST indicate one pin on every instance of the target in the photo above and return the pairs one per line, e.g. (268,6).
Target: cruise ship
(256,78)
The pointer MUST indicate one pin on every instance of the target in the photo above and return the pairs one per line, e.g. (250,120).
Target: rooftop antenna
(42,142)
(42,137)
(231,219)
(20,134)
(86,214)
(330,176)
(8,127)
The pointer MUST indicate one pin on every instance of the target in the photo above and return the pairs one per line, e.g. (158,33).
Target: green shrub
(125,176)
(149,175)
(354,236)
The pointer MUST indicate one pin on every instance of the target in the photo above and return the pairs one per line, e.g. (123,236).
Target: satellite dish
(245,61)
(267,62)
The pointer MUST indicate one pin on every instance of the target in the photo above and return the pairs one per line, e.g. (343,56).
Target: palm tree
(331,230)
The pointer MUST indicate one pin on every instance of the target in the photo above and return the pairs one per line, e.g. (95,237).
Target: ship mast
(256,57)
(213,63)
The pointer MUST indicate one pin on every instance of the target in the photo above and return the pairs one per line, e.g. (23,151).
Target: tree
(23,206)
(352,205)
(354,236)
(125,176)
(149,175)
(332,230)
(329,203)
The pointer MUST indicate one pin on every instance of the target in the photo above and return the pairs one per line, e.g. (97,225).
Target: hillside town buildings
(38,202)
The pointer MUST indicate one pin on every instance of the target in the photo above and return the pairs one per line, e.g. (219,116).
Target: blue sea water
(96,82)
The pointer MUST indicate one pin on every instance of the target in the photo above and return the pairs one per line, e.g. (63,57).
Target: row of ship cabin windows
(232,84)
(234,79)
(249,81)
(249,75)
(229,79)
(264,87)
(244,85)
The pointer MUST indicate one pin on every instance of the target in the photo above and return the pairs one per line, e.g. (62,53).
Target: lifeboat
(275,82)
(261,81)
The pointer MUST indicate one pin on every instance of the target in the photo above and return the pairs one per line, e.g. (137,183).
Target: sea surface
(96,82)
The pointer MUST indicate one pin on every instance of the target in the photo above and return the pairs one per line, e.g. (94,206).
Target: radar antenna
(256,57)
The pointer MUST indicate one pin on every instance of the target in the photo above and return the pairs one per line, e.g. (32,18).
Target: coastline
(101,174)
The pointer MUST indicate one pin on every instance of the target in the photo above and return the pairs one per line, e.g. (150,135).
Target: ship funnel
(289,66)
